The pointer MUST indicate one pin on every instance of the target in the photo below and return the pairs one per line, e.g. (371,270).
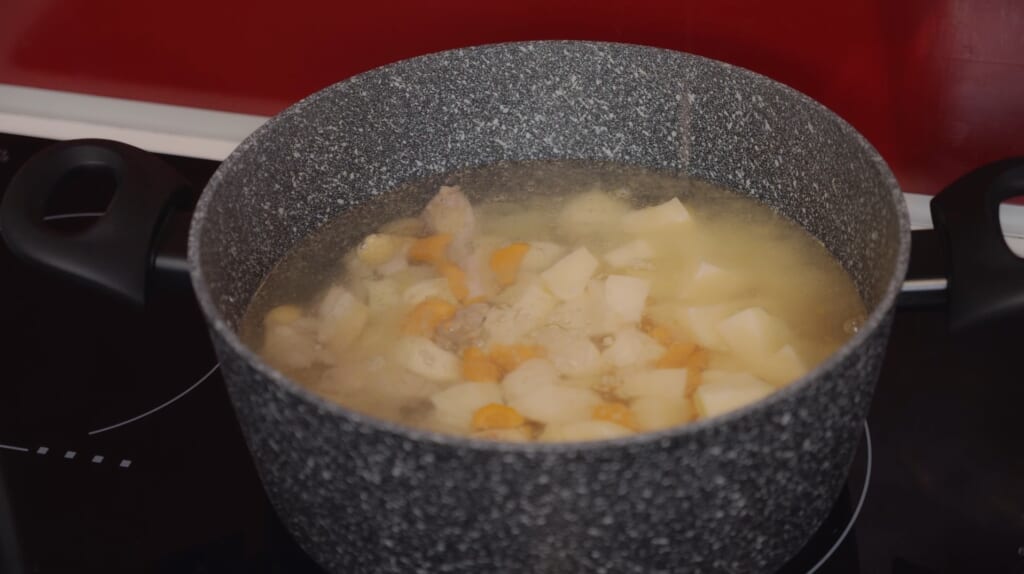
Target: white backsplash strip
(209,134)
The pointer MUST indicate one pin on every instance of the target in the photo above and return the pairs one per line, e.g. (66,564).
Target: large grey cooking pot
(738,493)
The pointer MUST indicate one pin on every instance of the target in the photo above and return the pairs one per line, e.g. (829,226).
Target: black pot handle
(117,252)
(985,278)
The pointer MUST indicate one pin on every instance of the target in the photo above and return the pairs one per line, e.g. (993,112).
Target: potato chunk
(572,353)
(752,332)
(636,253)
(632,347)
(541,255)
(569,276)
(528,377)
(421,356)
(658,412)
(665,383)
(626,296)
(591,213)
(668,214)
(556,404)
(509,324)
(458,403)
(722,392)
(584,430)
(342,318)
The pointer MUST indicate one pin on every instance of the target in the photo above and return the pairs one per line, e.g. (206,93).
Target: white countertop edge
(211,134)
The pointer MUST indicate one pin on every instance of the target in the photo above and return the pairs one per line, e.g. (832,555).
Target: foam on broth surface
(572,301)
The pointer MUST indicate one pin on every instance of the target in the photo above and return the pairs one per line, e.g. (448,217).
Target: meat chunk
(464,328)
(450,212)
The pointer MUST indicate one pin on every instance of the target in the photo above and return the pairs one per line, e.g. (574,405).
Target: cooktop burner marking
(856,510)
(158,407)
(12,447)
(125,463)
(70,454)
(43,450)
(57,216)
(97,459)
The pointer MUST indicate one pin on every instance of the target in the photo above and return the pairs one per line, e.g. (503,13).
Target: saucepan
(738,493)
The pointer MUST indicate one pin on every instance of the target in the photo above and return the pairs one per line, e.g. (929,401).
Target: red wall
(936,85)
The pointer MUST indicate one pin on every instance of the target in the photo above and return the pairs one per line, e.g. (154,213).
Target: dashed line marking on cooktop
(158,407)
(68,454)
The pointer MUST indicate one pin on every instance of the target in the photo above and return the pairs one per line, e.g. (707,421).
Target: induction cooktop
(119,450)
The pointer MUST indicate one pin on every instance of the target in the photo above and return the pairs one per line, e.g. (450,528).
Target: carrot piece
(505,262)
(477,367)
(508,357)
(677,355)
(617,413)
(699,358)
(659,333)
(430,249)
(427,315)
(495,416)
(456,279)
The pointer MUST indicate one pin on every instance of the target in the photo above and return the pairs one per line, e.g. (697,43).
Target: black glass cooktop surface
(119,451)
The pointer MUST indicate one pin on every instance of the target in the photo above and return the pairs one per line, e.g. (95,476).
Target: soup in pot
(553,301)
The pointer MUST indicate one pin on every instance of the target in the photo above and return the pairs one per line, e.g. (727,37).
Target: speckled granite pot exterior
(740,493)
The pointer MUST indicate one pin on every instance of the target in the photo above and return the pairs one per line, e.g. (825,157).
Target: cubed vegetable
(528,377)
(423,357)
(632,347)
(658,412)
(702,323)
(752,333)
(477,366)
(572,353)
(781,367)
(378,248)
(710,283)
(430,249)
(282,315)
(556,404)
(496,416)
(383,294)
(458,403)
(584,430)
(617,413)
(636,253)
(291,345)
(626,296)
(677,355)
(722,392)
(509,324)
(505,262)
(342,318)
(541,255)
(425,317)
(590,213)
(568,277)
(670,213)
(668,383)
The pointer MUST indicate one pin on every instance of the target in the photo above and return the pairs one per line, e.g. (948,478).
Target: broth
(553,301)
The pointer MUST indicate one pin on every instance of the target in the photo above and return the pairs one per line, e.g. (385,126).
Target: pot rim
(872,322)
